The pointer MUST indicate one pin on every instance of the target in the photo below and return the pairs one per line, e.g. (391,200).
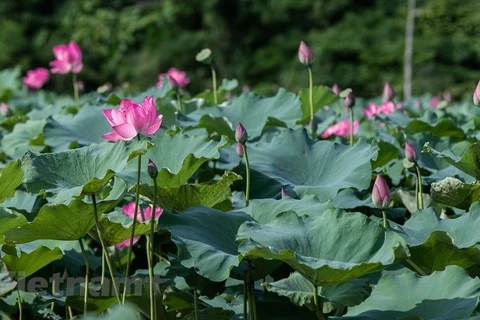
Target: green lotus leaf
(300,291)
(85,170)
(205,239)
(320,168)
(208,194)
(177,158)
(328,248)
(61,131)
(435,243)
(446,295)
(322,96)
(24,137)
(117,226)
(10,221)
(59,222)
(11,177)
(455,193)
(27,263)
(468,163)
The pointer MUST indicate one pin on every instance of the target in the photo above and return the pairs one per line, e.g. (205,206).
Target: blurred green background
(358,43)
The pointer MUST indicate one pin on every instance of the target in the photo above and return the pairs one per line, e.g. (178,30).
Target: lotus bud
(336,89)
(241,134)
(240,150)
(284,193)
(305,54)
(476,95)
(381,195)
(350,100)
(388,92)
(447,96)
(410,152)
(152,169)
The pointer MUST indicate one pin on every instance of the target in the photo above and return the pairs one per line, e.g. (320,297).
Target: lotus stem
(415,267)
(87,273)
(420,189)
(310,78)
(247,169)
(20,308)
(417,200)
(318,304)
(252,291)
(385,221)
(150,251)
(132,235)
(180,102)
(351,126)
(104,247)
(245,295)
(214,84)
(75,91)
(195,303)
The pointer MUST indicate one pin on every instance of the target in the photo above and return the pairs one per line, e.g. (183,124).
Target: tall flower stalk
(306,57)
(153,173)
(349,104)
(411,160)
(241,136)
(381,197)
(87,275)
(75,91)
(205,57)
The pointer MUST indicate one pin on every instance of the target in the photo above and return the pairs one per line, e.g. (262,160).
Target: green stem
(103,270)
(104,247)
(75,91)
(195,303)
(318,305)
(385,221)
(245,295)
(132,235)
(180,103)
(214,80)
(417,200)
(20,308)
(351,126)
(310,79)
(415,267)
(420,189)
(87,273)
(252,291)
(150,251)
(247,169)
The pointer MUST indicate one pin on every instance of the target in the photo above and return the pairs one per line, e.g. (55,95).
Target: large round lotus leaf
(205,239)
(26,264)
(321,168)
(25,136)
(327,248)
(11,176)
(435,243)
(300,291)
(85,170)
(264,210)
(468,163)
(177,158)
(444,295)
(59,222)
(61,131)
(455,193)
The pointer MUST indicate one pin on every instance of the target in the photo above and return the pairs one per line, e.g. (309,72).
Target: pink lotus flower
(388,92)
(381,195)
(68,58)
(410,152)
(336,89)
(132,119)
(386,108)
(129,210)
(341,129)
(4,109)
(476,95)
(176,78)
(36,78)
(434,102)
(305,54)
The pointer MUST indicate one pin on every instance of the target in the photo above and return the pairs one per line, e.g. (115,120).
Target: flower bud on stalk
(305,54)
(388,92)
(241,135)
(152,169)
(410,152)
(476,95)
(350,100)
(381,195)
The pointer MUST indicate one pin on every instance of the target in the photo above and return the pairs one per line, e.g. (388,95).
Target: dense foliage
(359,43)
